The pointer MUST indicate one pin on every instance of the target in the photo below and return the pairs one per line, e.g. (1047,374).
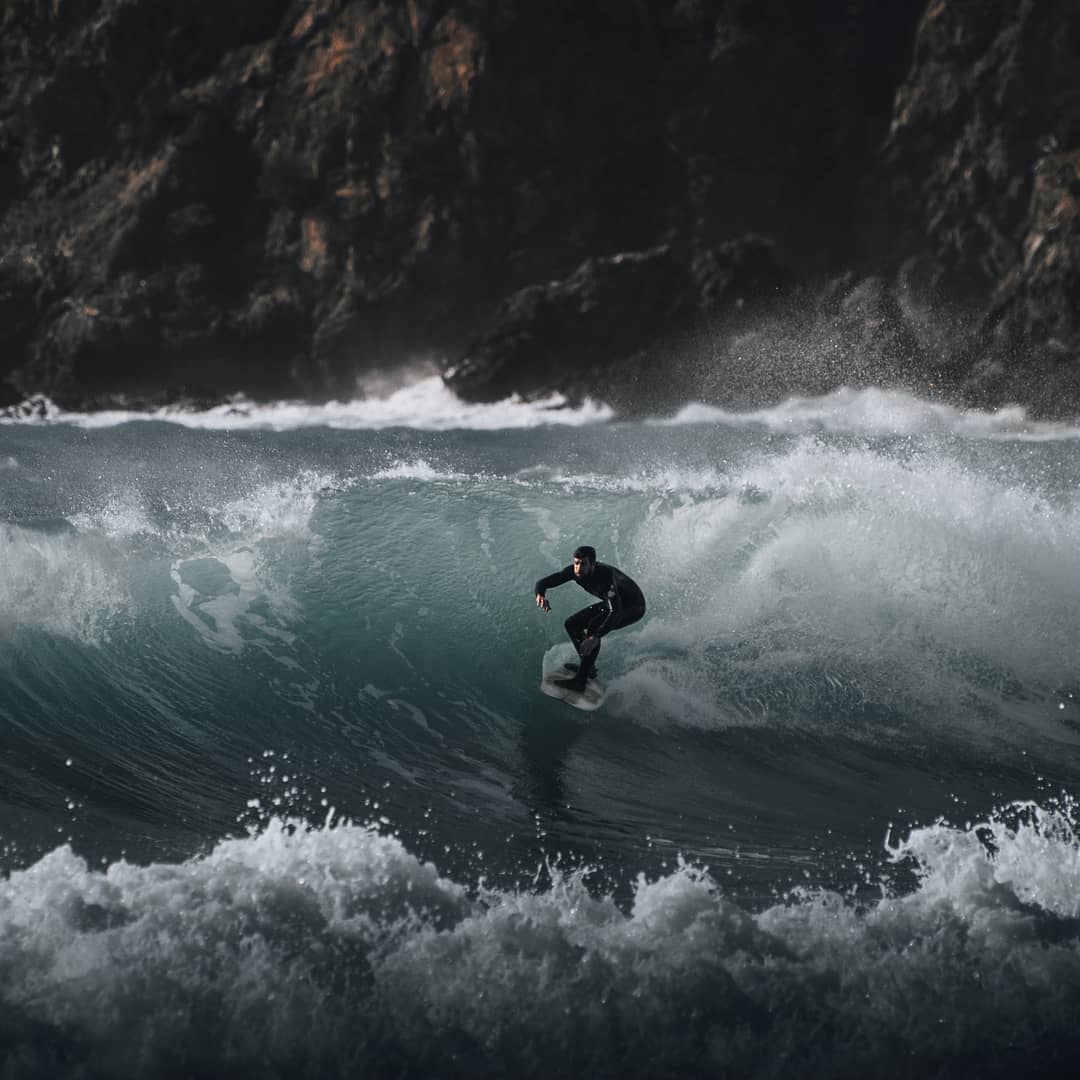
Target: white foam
(662,480)
(874,411)
(59,583)
(220,593)
(426,405)
(135,954)
(121,517)
(323,949)
(224,582)
(279,508)
(904,576)
(658,693)
(418,469)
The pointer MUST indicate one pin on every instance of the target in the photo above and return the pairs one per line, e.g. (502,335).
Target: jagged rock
(576,333)
(35,407)
(397,169)
(1029,346)
(736,274)
(614,321)
(1040,298)
(982,164)
(990,84)
(344,342)
(776,115)
(272,197)
(21,284)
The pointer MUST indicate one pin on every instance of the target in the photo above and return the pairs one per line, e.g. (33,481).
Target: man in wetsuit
(622,604)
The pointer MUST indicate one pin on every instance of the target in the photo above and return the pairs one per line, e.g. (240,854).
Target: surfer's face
(582,567)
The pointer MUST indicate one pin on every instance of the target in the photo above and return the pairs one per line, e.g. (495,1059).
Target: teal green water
(321,642)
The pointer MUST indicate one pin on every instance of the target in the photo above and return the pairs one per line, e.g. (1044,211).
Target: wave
(60,583)
(825,579)
(875,411)
(94,577)
(273,509)
(817,575)
(426,405)
(836,625)
(418,469)
(333,951)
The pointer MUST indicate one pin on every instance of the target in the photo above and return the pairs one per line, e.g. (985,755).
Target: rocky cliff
(725,199)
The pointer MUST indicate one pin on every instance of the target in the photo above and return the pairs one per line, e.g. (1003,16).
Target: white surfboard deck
(592,697)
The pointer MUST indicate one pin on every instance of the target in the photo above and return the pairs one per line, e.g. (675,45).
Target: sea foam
(874,411)
(325,950)
(61,583)
(914,579)
(426,405)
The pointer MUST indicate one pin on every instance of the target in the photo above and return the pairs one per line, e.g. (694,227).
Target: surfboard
(592,697)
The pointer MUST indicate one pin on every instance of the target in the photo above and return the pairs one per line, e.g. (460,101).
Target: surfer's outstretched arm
(560,577)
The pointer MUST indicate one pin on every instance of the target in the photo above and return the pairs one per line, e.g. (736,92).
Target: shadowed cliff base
(731,200)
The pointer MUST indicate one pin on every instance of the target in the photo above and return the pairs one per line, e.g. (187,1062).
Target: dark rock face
(664,198)
(620,306)
(981,159)
(609,329)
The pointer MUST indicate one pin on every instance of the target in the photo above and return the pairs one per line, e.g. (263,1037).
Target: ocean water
(280,797)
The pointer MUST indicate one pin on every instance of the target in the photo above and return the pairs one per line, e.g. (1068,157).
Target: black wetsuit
(623,603)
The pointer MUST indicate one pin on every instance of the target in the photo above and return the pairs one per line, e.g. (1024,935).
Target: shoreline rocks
(715,198)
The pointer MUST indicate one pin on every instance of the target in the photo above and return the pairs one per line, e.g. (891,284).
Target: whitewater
(280,797)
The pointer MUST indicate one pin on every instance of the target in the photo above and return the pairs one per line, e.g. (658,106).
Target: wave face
(279,795)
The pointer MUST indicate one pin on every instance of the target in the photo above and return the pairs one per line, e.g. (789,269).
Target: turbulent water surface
(279,795)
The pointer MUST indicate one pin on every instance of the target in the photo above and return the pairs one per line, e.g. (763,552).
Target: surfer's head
(584,560)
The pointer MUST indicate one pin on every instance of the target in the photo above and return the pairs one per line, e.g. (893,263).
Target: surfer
(622,604)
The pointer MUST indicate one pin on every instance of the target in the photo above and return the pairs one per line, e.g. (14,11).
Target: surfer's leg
(588,664)
(598,613)
(577,628)
(629,615)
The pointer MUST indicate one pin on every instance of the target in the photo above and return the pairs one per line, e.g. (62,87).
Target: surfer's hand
(542,603)
(588,646)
